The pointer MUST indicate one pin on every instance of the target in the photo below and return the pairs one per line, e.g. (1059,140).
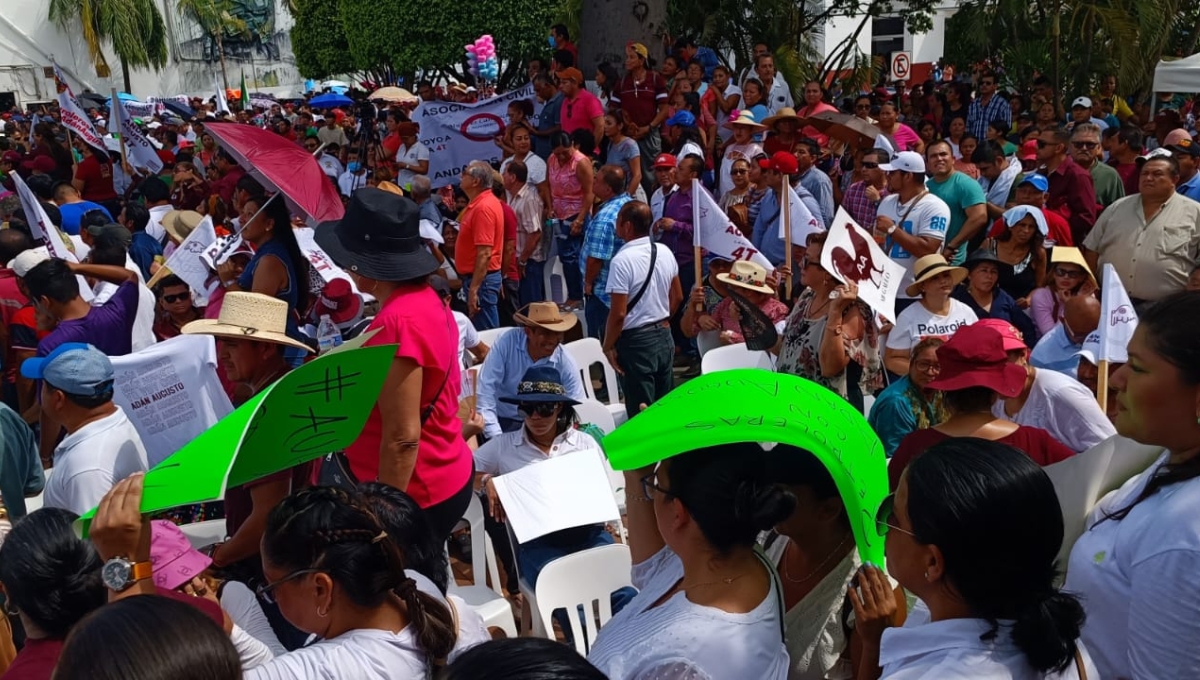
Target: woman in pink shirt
(569,173)
(901,136)
(413,437)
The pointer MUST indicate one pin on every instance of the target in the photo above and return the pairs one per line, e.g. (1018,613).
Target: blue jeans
(596,313)
(488,315)
(533,556)
(533,284)
(569,248)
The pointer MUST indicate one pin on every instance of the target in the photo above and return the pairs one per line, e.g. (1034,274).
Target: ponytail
(429,616)
(1046,630)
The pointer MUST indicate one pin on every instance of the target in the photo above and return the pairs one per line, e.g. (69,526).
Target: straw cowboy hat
(745,117)
(1071,255)
(786,113)
(930,266)
(181,223)
(546,315)
(248,316)
(748,275)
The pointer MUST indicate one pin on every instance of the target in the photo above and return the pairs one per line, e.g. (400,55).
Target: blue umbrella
(330,100)
(123,96)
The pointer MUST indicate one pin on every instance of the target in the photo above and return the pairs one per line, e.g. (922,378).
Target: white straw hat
(248,316)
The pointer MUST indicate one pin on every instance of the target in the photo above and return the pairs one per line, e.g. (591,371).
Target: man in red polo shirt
(1071,193)
(642,95)
(480,246)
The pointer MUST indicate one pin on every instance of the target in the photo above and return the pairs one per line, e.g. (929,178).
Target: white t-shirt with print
(929,217)
(535,168)
(916,322)
(412,155)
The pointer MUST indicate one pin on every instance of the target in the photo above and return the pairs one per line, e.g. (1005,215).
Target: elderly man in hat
(251,333)
(538,344)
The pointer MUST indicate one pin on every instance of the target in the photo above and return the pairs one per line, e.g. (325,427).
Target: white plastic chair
(735,356)
(586,352)
(596,413)
(489,601)
(588,578)
(491,335)
(555,281)
(203,534)
(708,340)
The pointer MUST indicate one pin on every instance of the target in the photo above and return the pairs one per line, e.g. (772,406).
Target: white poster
(73,116)
(140,152)
(803,221)
(713,231)
(185,261)
(558,493)
(170,392)
(851,254)
(457,134)
(320,261)
(1118,319)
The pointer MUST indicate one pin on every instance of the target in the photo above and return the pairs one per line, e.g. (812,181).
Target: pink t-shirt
(579,113)
(904,138)
(415,318)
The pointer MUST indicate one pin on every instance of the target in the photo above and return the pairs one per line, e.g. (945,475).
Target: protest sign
(712,230)
(851,254)
(753,405)
(186,261)
(141,109)
(457,134)
(139,151)
(170,392)
(320,261)
(1118,318)
(803,221)
(72,114)
(317,408)
(558,493)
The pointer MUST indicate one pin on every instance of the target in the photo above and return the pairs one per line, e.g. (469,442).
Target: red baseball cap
(44,164)
(1028,151)
(975,357)
(11,157)
(340,302)
(665,160)
(782,162)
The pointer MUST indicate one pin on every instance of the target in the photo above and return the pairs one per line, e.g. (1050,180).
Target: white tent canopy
(1178,75)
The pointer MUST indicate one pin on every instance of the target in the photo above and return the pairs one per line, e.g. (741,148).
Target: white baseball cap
(1082,101)
(905,161)
(1091,348)
(21,264)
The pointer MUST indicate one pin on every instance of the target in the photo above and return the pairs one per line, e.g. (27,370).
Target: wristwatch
(891,229)
(119,573)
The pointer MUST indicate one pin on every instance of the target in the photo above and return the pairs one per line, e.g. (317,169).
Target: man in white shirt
(913,220)
(158,202)
(775,89)
(101,447)
(664,174)
(355,176)
(996,176)
(644,289)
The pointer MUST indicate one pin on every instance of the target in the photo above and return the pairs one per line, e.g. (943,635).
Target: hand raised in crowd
(847,295)
(874,603)
(199,587)
(119,529)
(229,271)
(873,194)
(781,273)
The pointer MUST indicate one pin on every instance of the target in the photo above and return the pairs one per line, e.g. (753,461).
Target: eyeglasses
(1069,273)
(739,172)
(176,298)
(867,165)
(863,106)
(1043,143)
(1085,145)
(267,590)
(649,484)
(928,366)
(805,263)
(882,525)
(541,408)
(987,82)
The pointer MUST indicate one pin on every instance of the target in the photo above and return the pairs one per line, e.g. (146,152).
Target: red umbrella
(282,166)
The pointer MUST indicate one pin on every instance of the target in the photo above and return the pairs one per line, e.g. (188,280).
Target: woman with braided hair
(335,573)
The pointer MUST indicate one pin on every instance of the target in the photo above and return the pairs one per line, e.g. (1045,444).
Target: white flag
(140,151)
(43,229)
(803,221)
(73,117)
(222,104)
(712,230)
(1118,319)
(186,263)
(851,254)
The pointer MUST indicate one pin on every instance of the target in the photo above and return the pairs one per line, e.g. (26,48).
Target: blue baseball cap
(683,118)
(73,367)
(1038,181)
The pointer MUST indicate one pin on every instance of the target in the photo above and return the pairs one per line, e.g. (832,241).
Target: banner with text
(141,153)
(851,254)
(73,116)
(712,230)
(457,134)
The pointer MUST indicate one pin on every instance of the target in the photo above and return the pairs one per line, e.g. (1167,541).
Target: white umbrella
(334,84)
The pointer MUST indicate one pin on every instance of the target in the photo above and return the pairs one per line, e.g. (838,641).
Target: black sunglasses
(1043,143)
(541,408)
(867,165)
(176,298)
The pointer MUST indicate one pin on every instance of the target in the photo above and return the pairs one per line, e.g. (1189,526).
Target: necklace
(724,581)
(820,566)
(811,313)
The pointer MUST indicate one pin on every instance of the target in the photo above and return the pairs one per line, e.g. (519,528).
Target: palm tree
(216,20)
(134,28)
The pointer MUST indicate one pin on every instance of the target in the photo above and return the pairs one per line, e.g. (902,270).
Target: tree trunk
(613,23)
(221,56)
(125,74)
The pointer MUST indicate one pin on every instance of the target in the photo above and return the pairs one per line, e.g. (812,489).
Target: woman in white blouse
(1137,566)
(973,531)
(709,604)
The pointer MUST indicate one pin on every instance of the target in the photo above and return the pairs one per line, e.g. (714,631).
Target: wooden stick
(785,214)
(699,273)
(1102,386)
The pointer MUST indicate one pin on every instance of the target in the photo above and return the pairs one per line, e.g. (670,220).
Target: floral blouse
(800,353)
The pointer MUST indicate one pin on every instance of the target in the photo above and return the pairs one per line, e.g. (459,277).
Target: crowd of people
(1002,209)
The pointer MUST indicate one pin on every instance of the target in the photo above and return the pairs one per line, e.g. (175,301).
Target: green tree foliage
(318,41)
(134,28)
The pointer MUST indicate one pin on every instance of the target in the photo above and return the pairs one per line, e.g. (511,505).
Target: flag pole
(1102,386)
(785,214)
(698,261)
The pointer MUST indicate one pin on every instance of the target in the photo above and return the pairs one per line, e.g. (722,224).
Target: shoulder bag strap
(910,208)
(428,410)
(637,297)
(1079,665)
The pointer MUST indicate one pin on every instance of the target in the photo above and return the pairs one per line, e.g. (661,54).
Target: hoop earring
(9,609)
(322,614)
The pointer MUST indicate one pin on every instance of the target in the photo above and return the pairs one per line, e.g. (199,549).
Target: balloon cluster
(481,58)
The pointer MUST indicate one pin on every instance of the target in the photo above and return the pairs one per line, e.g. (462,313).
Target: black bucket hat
(379,237)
